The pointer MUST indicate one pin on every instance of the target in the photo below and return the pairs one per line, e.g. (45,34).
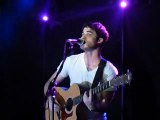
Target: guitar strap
(99,73)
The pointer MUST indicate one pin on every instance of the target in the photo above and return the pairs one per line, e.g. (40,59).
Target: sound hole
(69,104)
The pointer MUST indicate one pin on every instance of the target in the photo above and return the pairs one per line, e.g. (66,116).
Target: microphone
(78,41)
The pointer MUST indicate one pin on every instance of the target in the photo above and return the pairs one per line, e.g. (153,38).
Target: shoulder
(110,67)
(74,59)
(110,71)
(76,56)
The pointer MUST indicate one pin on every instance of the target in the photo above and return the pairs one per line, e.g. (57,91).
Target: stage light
(123,3)
(45,18)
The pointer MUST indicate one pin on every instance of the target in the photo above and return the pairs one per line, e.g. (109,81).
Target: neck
(92,58)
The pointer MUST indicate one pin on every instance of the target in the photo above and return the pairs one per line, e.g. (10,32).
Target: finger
(56,108)
(90,94)
(56,102)
(84,96)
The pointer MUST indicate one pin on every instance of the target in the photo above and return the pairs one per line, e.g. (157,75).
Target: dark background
(31,49)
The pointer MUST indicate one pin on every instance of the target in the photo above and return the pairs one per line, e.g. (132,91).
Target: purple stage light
(123,3)
(45,18)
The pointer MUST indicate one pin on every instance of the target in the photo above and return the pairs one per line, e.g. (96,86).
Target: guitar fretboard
(100,88)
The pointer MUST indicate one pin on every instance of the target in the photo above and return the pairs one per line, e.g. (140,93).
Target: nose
(83,36)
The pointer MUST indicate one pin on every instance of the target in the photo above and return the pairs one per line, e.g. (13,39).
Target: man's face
(90,38)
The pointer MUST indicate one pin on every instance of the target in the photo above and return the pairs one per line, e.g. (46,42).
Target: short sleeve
(65,68)
(110,71)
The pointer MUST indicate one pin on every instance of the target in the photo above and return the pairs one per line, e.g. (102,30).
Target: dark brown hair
(100,30)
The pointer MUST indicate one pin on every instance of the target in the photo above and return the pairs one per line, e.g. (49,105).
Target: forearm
(46,87)
(48,82)
(100,106)
(57,81)
(102,102)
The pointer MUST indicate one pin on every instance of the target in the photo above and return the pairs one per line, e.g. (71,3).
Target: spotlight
(123,3)
(45,18)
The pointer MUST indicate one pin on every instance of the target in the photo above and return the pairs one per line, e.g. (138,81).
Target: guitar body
(62,96)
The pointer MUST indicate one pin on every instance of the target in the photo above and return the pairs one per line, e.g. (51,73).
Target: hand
(56,108)
(55,104)
(88,100)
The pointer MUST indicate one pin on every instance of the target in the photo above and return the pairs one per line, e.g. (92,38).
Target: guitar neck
(100,88)
(117,81)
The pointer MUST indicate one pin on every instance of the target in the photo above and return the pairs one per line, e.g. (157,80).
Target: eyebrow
(89,31)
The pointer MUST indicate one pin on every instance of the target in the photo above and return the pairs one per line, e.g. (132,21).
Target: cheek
(89,43)
(92,43)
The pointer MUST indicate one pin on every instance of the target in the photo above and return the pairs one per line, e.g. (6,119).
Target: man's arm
(104,99)
(100,102)
(48,110)
(58,80)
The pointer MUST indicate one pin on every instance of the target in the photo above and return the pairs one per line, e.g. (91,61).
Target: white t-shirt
(74,67)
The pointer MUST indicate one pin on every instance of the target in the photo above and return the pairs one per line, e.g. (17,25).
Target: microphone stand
(53,84)
(65,55)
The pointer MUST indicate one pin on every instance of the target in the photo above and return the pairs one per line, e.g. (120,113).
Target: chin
(85,48)
(82,47)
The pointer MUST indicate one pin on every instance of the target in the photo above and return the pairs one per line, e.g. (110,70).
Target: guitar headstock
(122,79)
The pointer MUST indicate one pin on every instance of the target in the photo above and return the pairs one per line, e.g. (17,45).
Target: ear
(100,40)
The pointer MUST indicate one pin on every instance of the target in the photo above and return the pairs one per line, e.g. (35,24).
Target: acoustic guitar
(69,99)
